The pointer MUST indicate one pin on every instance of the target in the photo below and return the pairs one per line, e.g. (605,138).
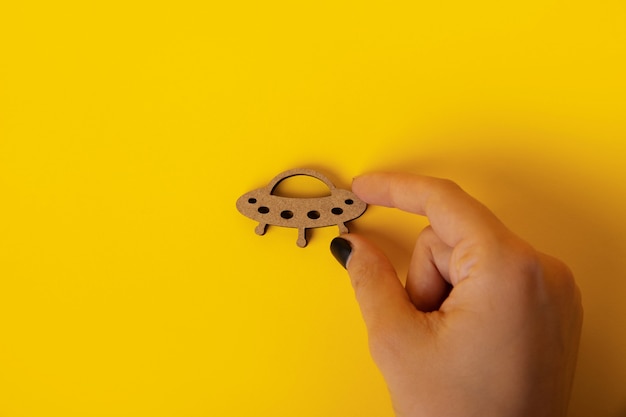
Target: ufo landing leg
(301,238)
(260,229)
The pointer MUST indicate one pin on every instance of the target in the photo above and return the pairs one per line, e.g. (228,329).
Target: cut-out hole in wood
(340,207)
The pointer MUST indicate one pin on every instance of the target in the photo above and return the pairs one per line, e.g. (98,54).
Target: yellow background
(131,286)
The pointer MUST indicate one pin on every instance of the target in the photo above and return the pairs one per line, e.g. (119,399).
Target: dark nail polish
(341,250)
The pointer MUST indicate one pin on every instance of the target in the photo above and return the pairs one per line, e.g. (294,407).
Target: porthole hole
(252,200)
(349,201)
(263,210)
(337,210)
(313,214)
(286,214)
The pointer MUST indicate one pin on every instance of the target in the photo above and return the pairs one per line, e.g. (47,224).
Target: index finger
(453,214)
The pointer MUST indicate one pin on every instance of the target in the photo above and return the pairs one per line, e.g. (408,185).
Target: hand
(485,326)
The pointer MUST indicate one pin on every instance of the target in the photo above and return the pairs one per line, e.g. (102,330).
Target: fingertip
(382,299)
(356,181)
(369,186)
(365,258)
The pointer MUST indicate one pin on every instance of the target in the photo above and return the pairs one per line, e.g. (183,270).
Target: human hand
(485,326)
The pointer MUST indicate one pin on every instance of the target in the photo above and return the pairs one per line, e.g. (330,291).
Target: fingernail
(341,250)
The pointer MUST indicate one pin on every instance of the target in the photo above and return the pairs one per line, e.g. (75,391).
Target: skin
(485,326)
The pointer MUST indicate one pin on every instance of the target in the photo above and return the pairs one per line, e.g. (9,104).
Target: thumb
(384,303)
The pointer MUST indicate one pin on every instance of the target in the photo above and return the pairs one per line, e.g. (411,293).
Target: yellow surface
(130,285)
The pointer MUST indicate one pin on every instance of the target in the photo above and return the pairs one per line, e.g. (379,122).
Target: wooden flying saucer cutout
(338,208)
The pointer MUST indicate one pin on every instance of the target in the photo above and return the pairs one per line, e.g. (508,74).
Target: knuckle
(364,280)
(386,338)
(383,343)
(426,236)
(449,184)
(361,277)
